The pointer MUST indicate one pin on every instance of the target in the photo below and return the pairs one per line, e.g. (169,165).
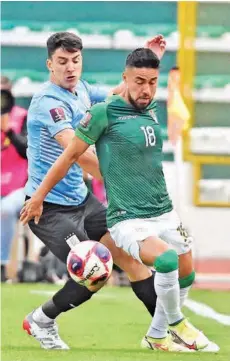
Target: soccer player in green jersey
(140,214)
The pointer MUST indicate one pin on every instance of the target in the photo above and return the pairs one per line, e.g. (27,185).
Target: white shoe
(211,347)
(45,333)
(164,344)
(184,333)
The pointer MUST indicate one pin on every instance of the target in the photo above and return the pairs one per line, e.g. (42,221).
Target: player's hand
(158,45)
(32,209)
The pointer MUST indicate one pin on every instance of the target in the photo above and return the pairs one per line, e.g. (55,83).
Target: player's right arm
(87,161)
(91,128)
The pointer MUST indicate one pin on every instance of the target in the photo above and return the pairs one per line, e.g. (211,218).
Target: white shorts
(127,234)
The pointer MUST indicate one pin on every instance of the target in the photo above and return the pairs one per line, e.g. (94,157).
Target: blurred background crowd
(197,169)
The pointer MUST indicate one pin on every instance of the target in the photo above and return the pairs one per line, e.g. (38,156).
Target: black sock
(50,310)
(71,294)
(145,291)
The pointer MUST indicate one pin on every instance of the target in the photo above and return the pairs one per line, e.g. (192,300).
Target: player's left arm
(33,207)
(89,131)
(158,45)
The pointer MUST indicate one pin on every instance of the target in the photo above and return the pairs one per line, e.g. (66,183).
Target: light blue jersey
(52,110)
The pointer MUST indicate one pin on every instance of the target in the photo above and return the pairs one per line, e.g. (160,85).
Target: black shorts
(58,223)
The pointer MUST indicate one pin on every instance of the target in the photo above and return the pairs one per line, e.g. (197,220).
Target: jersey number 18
(150,138)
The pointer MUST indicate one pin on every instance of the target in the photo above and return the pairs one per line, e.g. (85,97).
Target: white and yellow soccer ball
(90,264)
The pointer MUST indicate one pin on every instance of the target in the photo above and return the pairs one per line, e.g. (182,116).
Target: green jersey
(129,148)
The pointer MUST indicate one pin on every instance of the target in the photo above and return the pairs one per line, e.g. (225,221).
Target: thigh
(57,225)
(175,234)
(96,228)
(135,270)
(129,233)
(95,218)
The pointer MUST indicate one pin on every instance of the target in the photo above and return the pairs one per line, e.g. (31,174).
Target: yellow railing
(197,175)
(186,60)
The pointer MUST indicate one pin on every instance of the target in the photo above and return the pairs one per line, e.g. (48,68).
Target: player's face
(141,85)
(65,68)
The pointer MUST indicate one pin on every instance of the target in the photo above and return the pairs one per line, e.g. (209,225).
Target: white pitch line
(202,309)
(213,277)
(199,308)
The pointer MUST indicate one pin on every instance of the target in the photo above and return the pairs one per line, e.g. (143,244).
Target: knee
(188,280)
(167,262)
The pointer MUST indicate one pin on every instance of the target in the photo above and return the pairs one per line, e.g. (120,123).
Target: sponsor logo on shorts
(72,240)
(141,229)
(57,114)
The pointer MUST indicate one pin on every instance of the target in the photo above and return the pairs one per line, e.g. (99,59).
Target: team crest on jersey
(57,114)
(153,115)
(85,120)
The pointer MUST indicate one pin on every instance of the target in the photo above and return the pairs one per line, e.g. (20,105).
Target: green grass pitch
(107,328)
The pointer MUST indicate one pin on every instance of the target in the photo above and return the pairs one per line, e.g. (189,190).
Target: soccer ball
(90,263)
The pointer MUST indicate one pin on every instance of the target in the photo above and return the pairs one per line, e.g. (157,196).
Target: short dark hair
(142,58)
(64,40)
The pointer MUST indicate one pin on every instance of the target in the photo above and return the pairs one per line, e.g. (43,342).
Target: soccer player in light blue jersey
(70,211)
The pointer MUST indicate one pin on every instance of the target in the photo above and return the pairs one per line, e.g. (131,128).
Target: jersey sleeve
(93,124)
(97,94)
(54,115)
